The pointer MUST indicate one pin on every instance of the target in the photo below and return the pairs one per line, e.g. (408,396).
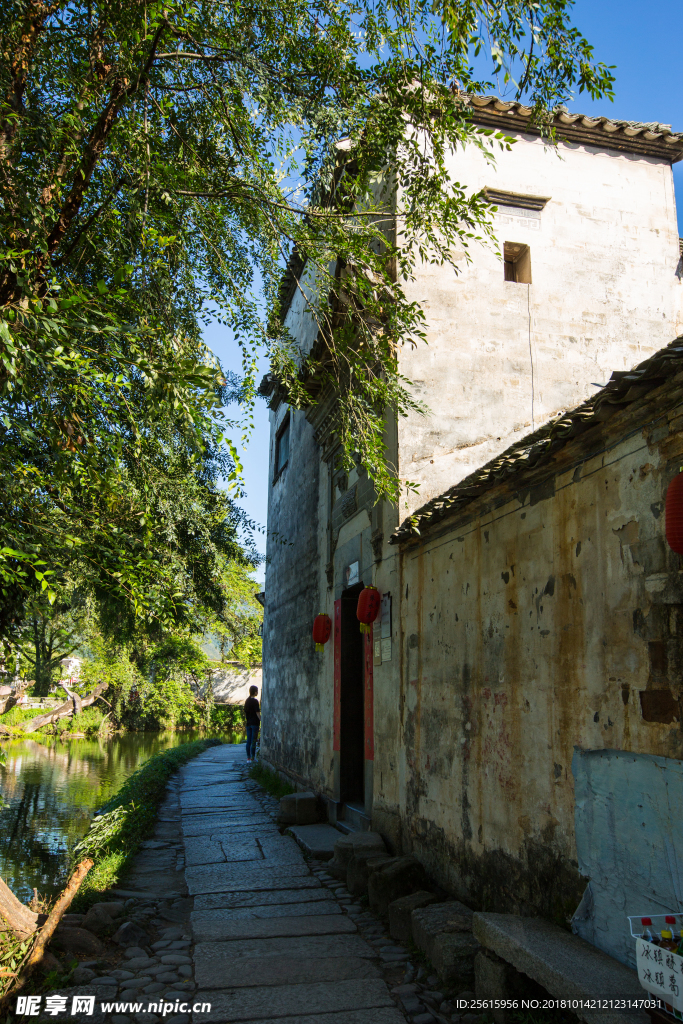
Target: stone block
(82,975)
(98,921)
(399,877)
(400,927)
(130,934)
(299,809)
(359,868)
(289,970)
(453,956)
(210,958)
(78,940)
(307,809)
(348,846)
(316,840)
(565,965)
(449,917)
(111,907)
(491,981)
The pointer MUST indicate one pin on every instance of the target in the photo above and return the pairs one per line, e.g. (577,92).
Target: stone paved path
(271,941)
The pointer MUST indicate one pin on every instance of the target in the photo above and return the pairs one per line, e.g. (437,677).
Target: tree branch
(120,92)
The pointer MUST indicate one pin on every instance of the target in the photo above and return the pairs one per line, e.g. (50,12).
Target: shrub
(228,717)
(18,715)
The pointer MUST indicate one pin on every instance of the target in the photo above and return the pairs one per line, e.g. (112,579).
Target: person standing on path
(252,712)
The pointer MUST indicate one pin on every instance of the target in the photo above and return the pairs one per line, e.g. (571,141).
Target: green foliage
(50,630)
(128,818)
(17,715)
(228,718)
(270,780)
(13,954)
(159,163)
(236,629)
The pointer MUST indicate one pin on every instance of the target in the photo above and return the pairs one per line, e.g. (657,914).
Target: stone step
(355,817)
(316,840)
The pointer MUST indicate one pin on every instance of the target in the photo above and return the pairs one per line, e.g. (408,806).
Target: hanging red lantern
(673,514)
(368,608)
(322,628)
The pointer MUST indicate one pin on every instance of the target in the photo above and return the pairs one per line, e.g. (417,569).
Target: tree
(235,630)
(50,632)
(162,160)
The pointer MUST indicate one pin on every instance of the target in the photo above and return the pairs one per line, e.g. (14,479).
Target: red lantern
(673,514)
(322,627)
(368,608)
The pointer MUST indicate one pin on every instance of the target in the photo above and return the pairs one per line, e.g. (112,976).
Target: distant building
(71,667)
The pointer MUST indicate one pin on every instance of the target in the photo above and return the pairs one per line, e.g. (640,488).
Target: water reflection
(51,791)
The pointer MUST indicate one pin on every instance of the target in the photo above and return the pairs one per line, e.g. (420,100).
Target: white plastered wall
(502,357)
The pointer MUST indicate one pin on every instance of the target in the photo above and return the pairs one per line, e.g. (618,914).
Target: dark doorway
(352,731)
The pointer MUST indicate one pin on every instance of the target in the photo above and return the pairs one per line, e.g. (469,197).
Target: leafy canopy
(159,162)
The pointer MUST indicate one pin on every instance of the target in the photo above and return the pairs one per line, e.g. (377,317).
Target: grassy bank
(127,819)
(270,781)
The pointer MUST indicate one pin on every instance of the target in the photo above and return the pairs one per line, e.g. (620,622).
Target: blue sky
(645,45)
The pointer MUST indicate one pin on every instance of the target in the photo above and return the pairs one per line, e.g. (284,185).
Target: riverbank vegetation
(127,819)
(149,678)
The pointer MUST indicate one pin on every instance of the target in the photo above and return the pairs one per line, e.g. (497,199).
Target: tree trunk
(15,915)
(64,710)
(46,932)
(43,667)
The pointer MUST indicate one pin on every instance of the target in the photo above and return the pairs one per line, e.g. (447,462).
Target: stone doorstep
(217,929)
(440,918)
(286,1000)
(316,840)
(565,965)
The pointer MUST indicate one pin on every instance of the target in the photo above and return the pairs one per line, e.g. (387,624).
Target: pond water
(51,791)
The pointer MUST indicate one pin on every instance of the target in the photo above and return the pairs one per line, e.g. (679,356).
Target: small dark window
(517,262)
(282,448)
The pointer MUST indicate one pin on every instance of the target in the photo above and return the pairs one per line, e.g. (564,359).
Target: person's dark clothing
(251,710)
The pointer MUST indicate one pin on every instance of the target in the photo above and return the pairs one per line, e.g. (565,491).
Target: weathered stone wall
(541,621)
(297,715)
(504,357)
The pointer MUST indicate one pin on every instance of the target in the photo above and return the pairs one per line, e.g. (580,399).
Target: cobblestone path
(271,941)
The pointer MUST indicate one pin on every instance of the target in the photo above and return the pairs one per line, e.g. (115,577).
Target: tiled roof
(651,139)
(624,387)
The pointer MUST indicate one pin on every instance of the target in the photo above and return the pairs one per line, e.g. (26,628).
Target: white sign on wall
(660,972)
